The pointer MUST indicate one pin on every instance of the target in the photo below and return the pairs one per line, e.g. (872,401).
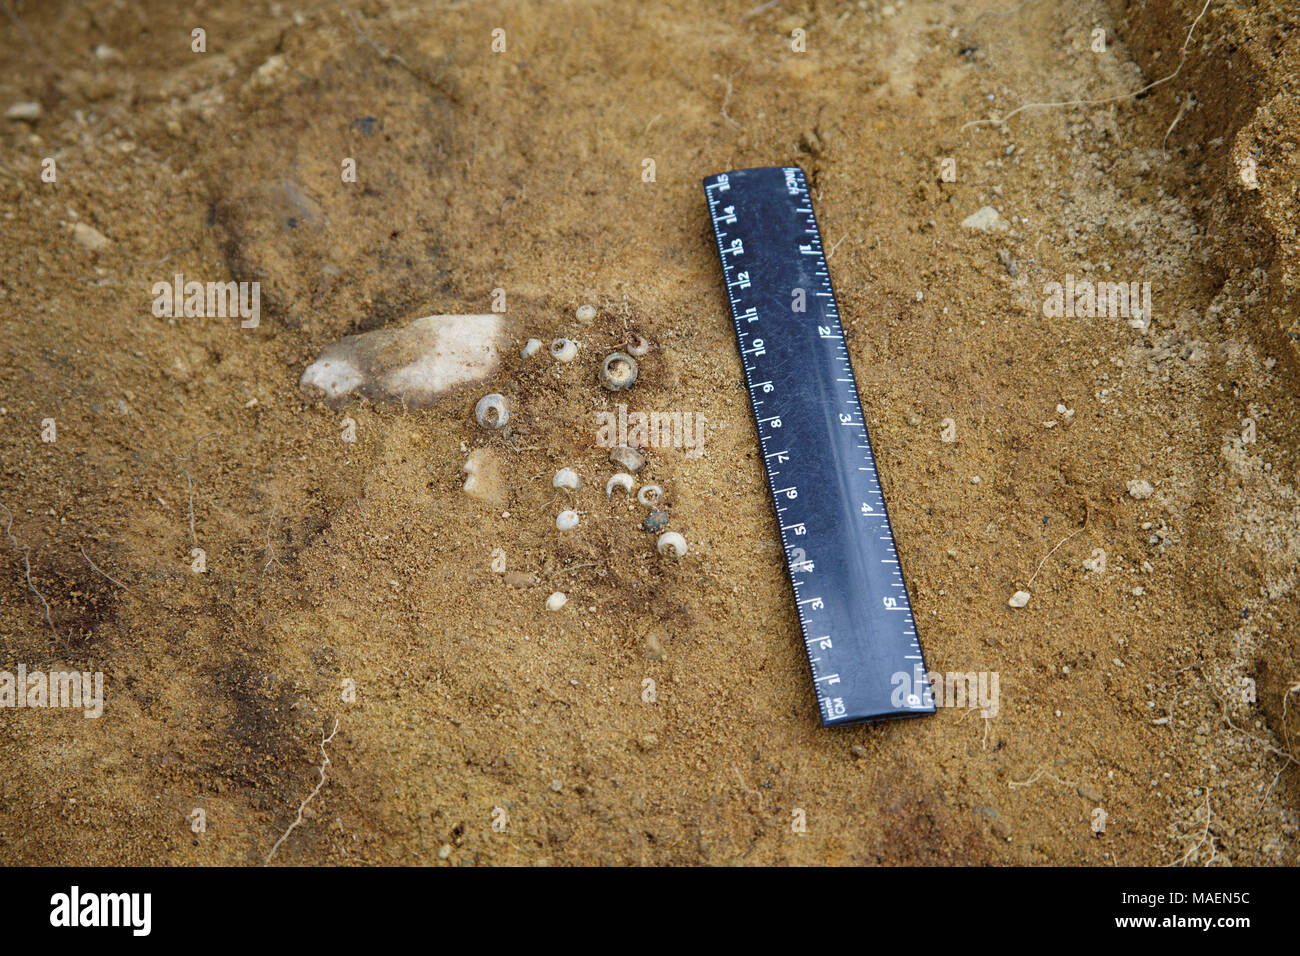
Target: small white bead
(566,478)
(671,540)
(586,313)
(556,601)
(531,347)
(564,350)
(650,495)
(566,520)
(621,480)
(618,371)
(492,411)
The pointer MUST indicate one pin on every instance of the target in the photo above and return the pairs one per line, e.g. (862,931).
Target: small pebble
(1008,263)
(1140,488)
(30,110)
(566,478)
(629,459)
(1019,599)
(655,521)
(531,348)
(985,220)
(566,520)
(556,601)
(585,313)
(90,238)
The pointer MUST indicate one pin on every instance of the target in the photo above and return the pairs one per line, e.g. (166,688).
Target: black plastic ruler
(848,584)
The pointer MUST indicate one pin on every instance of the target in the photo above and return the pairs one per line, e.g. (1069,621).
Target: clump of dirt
(259,576)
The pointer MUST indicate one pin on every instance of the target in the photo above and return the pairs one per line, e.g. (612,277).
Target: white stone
(1140,488)
(484,481)
(270,72)
(24,111)
(1019,599)
(556,601)
(986,219)
(89,237)
(335,377)
(414,364)
(567,478)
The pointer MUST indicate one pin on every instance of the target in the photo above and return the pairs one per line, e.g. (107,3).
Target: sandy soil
(1155,689)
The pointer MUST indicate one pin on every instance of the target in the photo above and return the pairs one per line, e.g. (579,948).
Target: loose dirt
(665,714)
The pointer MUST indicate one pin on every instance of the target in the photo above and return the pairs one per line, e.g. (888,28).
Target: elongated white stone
(414,364)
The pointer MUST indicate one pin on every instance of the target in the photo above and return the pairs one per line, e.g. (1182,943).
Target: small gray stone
(629,459)
(1008,263)
(655,521)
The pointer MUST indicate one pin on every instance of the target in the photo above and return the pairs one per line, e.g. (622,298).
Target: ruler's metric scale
(853,607)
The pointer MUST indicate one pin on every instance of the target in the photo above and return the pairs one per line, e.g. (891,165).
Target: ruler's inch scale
(852,603)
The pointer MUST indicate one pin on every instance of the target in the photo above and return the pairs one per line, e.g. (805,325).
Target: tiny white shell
(556,601)
(492,411)
(566,520)
(650,495)
(564,350)
(567,478)
(530,348)
(618,371)
(621,480)
(585,313)
(674,541)
(639,345)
